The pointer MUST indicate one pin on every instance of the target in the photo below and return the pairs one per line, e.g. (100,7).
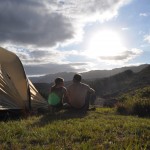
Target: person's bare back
(78,92)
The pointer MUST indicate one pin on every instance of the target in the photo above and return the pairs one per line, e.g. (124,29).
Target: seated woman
(57,94)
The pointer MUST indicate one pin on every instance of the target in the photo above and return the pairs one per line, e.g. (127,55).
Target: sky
(51,36)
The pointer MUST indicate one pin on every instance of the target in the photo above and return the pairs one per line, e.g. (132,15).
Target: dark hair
(59,80)
(77,78)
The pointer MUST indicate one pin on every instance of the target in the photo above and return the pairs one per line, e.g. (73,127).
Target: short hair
(77,78)
(59,80)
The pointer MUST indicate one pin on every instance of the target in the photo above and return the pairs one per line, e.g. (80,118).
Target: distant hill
(43,89)
(86,75)
(120,83)
(51,77)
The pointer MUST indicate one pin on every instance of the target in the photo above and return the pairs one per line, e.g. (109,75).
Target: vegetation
(120,83)
(136,102)
(103,128)
(99,129)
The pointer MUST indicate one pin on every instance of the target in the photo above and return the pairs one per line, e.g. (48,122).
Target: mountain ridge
(90,75)
(121,82)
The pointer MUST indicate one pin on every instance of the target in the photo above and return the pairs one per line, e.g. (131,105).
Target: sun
(105,43)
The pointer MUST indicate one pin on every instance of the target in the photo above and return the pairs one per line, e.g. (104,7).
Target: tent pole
(29,96)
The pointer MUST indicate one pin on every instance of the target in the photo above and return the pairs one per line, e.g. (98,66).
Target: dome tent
(16,90)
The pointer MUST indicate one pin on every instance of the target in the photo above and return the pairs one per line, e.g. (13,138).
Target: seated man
(80,94)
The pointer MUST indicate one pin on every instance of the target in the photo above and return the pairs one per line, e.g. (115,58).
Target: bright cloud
(147,38)
(143,14)
(124,29)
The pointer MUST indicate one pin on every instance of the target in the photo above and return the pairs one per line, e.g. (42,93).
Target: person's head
(77,78)
(59,81)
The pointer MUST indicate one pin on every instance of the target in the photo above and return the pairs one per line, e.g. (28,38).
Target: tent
(16,90)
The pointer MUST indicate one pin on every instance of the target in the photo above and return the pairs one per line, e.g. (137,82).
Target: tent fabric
(37,101)
(16,90)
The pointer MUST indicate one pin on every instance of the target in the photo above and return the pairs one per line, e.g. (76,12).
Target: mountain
(86,75)
(51,77)
(120,83)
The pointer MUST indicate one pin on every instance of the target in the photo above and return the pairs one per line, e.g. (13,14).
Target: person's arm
(92,90)
(65,96)
(51,89)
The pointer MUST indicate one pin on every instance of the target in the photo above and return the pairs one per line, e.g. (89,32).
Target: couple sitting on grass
(76,97)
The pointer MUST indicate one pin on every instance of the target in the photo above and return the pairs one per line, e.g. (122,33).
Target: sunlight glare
(105,43)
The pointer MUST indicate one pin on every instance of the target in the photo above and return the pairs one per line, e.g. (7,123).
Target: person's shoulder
(84,84)
(52,87)
(69,86)
(63,87)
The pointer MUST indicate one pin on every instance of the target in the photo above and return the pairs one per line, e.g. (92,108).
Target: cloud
(43,56)
(143,14)
(43,61)
(51,68)
(34,30)
(47,23)
(147,38)
(125,29)
(92,10)
(122,57)
(30,23)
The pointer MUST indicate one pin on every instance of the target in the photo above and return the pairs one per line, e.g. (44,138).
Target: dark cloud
(124,56)
(39,56)
(29,22)
(45,23)
(78,64)
(50,69)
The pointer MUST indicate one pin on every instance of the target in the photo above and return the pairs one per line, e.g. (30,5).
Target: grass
(136,102)
(99,129)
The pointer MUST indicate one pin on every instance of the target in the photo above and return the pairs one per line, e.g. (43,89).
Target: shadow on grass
(61,115)
(46,117)
(10,114)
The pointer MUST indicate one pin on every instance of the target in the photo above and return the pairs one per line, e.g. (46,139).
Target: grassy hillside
(103,128)
(99,129)
(121,82)
(135,102)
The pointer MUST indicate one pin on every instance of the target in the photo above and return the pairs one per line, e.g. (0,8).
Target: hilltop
(121,82)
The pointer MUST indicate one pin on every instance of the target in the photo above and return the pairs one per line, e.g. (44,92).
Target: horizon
(36,76)
(76,36)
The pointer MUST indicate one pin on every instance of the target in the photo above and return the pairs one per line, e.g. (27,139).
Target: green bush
(122,109)
(141,108)
(135,103)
